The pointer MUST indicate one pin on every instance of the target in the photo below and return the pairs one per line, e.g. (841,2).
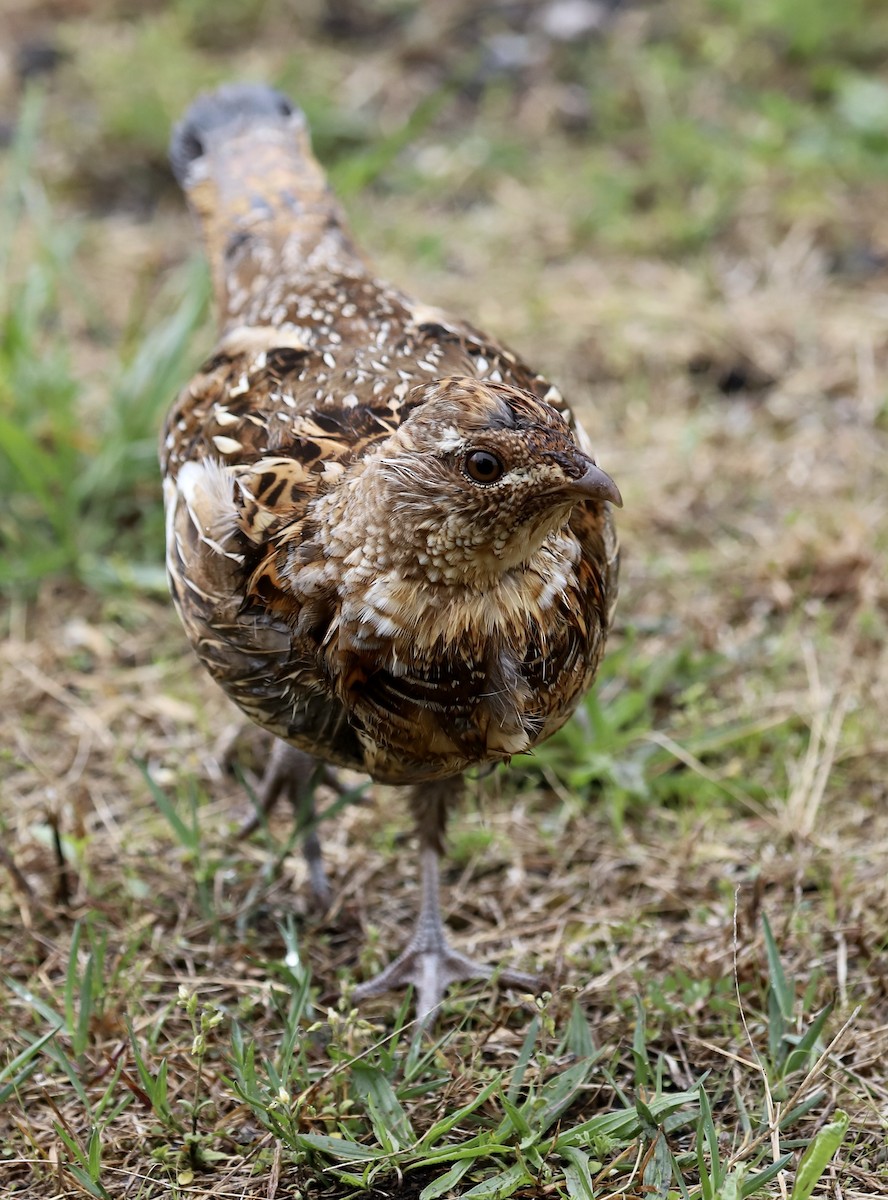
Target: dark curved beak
(595,484)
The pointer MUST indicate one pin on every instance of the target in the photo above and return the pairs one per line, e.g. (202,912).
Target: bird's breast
(460,675)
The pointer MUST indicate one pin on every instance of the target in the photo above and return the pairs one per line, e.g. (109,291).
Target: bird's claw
(432,969)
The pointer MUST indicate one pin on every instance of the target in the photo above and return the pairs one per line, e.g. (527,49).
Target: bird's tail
(243,156)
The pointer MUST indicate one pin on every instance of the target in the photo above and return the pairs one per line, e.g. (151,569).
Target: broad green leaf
(818,1155)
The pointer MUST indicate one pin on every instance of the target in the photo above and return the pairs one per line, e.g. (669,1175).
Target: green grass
(332,1091)
(82,484)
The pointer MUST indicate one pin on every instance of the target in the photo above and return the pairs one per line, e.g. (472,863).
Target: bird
(388,539)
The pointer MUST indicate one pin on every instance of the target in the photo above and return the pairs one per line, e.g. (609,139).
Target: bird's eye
(483,467)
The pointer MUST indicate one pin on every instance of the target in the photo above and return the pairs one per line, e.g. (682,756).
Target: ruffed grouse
(387,538)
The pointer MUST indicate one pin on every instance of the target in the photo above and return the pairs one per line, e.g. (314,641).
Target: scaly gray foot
(430,963)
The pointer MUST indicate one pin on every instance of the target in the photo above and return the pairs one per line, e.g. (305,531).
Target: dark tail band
(232,108)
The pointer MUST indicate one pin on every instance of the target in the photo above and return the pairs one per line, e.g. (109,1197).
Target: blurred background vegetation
(669,131)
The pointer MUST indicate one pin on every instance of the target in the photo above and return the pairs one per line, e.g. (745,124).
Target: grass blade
(187,835)
(498,1187)
(752,1185)
(441,1128)
(579,1035)
(524,1057)
(387,1115)
(447,1182)
(776,974)
(801,1054)
(22,1065)
(53,1018)
(339,1148)
(578,1173)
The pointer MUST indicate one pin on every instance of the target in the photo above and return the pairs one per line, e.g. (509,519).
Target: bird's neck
(402,589)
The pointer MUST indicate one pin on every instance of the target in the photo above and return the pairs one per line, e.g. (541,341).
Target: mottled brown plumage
(387,538)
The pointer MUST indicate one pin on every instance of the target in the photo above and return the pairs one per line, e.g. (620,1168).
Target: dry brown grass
(756,536)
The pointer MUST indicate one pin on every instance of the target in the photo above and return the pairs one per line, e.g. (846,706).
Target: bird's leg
(428,961)
(295,773)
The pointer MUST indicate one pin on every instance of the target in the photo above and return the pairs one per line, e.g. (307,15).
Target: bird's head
(478,475)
